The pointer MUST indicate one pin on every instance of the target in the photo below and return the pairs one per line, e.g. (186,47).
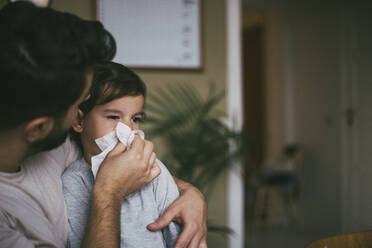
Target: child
(117,96)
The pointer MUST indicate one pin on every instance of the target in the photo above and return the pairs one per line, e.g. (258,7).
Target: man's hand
(190,210)
(123,172)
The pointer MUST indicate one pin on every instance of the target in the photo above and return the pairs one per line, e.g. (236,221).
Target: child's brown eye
(137,119)
(113,117)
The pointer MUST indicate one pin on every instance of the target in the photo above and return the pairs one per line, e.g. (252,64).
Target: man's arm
(13,238)
(103,229)
(121,173)
(14,234)
(190,210)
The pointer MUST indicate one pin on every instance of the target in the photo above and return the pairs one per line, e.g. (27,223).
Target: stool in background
(279,184)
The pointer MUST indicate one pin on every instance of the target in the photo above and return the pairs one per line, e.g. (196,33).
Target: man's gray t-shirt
(138,209)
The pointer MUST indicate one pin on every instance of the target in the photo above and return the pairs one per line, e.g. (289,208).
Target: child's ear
(77,125)
(38,128)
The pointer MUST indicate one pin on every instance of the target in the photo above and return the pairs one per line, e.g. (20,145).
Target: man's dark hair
(44,57)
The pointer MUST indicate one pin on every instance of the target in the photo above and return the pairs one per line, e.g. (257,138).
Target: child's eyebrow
(112,111)
(140,113)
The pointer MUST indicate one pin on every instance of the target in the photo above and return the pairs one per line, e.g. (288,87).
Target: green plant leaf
(198,142)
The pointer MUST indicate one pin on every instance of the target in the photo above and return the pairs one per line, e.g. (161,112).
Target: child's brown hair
(110,81)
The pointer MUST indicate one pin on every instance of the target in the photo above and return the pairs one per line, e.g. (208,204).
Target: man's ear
(77,125)
(38,128)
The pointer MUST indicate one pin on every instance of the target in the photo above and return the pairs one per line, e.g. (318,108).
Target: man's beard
(56,137)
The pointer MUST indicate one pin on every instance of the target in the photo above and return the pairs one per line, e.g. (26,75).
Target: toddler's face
(102,119)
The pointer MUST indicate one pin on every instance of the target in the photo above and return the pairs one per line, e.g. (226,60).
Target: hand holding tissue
(122,133)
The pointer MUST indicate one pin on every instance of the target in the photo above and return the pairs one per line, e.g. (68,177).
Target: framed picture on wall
(154,33)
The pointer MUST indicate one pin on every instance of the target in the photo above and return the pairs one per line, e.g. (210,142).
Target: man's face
(61,126)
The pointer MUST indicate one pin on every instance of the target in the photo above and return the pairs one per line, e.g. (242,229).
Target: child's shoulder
(77,167)
(164,170)
(165,177)
(162,166)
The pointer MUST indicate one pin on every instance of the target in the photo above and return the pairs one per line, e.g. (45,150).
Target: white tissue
(122,133)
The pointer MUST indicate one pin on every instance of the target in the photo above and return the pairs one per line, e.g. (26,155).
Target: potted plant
(199,145)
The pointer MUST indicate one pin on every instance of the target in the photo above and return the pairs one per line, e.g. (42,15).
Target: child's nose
(128,123)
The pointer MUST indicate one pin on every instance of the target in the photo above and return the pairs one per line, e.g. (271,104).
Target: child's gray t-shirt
(138,209)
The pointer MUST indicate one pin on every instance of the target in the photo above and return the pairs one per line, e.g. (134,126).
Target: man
(45,63)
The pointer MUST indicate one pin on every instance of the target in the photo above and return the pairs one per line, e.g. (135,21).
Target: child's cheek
(104,126)
(136,127)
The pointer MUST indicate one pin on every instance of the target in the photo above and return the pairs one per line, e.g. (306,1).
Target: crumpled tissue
(122,133)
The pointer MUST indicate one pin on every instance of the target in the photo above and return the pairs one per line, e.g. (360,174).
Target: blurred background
(274,126)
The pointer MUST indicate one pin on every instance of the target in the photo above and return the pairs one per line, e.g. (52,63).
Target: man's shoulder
(54,160)
(17,205)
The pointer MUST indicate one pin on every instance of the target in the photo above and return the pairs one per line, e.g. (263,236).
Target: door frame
(235,120)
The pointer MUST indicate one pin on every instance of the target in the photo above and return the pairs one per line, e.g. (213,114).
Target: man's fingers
(163,220)
(152,160)
(203,243)
(196,241)
(119,148)
(155,172)
(137,143)
(186,236)
(148,150)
